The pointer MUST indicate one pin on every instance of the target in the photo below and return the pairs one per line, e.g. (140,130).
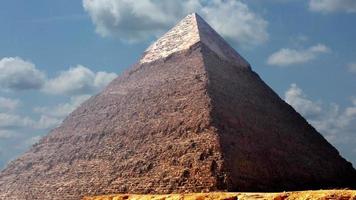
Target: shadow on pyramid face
(190,116)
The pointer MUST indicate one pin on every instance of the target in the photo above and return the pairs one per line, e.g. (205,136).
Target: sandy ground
(302,195)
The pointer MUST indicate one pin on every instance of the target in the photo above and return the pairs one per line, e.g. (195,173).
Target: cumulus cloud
(134,20)
(338,126)
(8,104)
(18,74)
(102,79)
(53,116)
(328,6)
(295,97)
(32,140)
(17,132)
(78,80)
(47,122)
(352,67)
(5,134)
(287,57)
(139,20)
(236,22)
(13,121)
(23,131)
(63,109)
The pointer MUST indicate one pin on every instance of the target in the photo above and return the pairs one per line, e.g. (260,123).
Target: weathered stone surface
(191,120)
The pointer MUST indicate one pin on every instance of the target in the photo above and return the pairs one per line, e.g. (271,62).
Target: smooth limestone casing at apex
(190,116)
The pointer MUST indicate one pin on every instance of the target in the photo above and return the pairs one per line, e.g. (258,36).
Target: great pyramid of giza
(190,116)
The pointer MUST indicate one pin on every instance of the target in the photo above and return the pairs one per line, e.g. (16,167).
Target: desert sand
(300,195)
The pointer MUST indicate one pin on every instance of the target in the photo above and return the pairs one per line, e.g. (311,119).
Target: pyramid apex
(191,14)
(189,31)
(194,14)
(180,37)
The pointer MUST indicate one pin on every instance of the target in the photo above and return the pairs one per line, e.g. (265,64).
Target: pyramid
(189,116)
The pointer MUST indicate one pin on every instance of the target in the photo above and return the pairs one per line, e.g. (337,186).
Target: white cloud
(139,20)
(21,131)
(351,111)
(47,122)
(50,117)
(286,57)
(78,80)
(5,134)
(134,20)
(328,6)
(352,67)
(53,116)
(8,104)
(338,126)
(62,110)
(12,121)
(102,79)
(18,74)
(295,96)
(17,132)
(236,22)
(32,140)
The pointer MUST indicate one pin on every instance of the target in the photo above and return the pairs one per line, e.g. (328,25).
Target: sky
(56,54)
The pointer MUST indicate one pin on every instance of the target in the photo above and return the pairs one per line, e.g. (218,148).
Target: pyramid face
(190,116)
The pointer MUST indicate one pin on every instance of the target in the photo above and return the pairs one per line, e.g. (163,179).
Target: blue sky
(55,54)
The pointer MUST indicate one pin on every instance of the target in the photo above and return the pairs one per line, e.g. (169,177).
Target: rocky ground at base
(300,195)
